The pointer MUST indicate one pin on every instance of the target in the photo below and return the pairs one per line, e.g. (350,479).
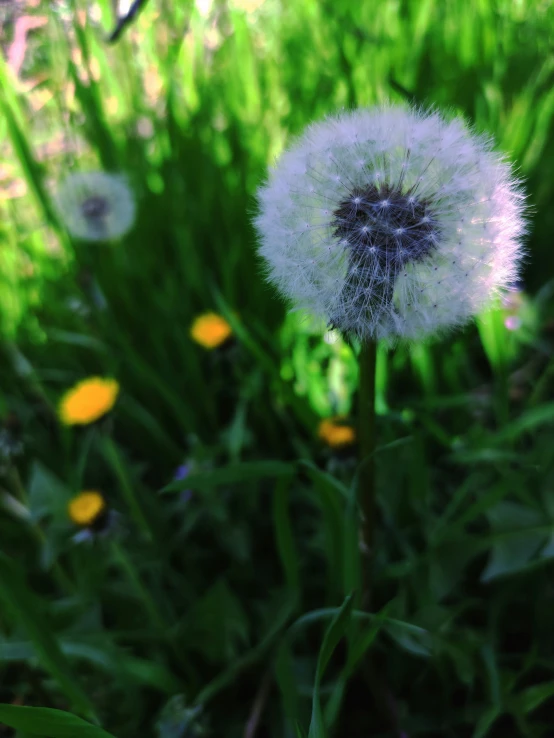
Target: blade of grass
(26,609)
(50,723)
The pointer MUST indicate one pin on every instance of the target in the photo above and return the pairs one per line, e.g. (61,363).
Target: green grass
(192,617)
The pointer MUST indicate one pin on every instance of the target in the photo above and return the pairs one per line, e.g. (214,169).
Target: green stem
(366,471)
(127,489)
(367,361)
(156,618)
(159,623)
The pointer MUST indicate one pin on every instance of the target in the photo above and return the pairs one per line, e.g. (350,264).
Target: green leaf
(511,516)
(520,532)
(20,138)
(284,535)
(47,494)
(496,340)
(528,421)
(333,635)
(323,479)
(149,673)
(352,561)
(234,473)
(251,657)
(218,638)
(27,611)
(50,723)
(486,721)
(357,648)
(284,674)
(512,553)
(329,495)
(81,340)
(533,697)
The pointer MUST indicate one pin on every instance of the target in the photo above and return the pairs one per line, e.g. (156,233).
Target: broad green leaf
(47,494)
(513,552)
(520,532)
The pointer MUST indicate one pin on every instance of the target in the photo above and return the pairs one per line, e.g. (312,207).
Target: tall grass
(237,609)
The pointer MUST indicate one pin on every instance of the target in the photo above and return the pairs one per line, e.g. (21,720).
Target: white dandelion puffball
(96,206)
(391,222)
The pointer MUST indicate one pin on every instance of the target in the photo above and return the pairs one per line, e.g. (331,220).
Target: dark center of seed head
(95,207)
(382,230)
(385,225)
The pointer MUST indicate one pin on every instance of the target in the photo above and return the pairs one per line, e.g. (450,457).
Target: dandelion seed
(88,401)
(417,242)
(210,330)
(96,206)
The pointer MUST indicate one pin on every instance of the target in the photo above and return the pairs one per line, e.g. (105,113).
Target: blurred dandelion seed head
(210,330)
(391,223)
(96,206)
(88,401)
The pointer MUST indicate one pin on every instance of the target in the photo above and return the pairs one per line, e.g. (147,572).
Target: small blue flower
(182,472)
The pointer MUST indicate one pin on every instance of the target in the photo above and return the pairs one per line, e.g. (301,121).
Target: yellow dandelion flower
(336,432)
(86,507)
(210,330)
(88,400)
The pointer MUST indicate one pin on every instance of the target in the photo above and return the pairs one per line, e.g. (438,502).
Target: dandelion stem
(128,491)
(366,472)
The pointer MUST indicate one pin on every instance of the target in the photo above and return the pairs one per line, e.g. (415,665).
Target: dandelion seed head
(96,206)
(417,241)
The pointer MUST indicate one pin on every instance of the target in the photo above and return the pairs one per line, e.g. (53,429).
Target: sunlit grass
(229,588)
